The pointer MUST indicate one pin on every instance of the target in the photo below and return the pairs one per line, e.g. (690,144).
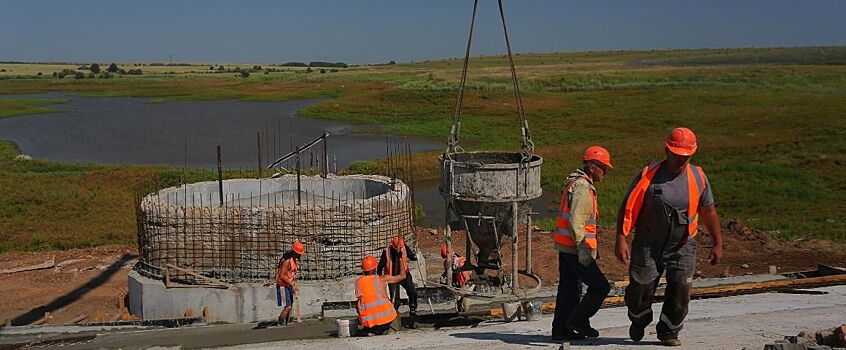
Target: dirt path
(87,280)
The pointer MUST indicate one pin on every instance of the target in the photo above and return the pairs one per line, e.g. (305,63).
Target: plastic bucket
(346,328)
(510,311)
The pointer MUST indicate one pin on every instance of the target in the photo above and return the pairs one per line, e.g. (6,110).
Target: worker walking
(286,280)
(663,206)
(394,259)
(576,242)
(375,311)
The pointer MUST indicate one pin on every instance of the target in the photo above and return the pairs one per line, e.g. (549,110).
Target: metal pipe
(514,275)
(448,242)
(299,189)
(529,242)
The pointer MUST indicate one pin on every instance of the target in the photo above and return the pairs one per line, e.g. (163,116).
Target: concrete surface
(243,302)
(738,322)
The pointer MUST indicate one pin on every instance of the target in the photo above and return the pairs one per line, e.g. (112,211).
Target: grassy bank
(771,125)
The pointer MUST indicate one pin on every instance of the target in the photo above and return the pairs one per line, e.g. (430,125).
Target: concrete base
(241,303)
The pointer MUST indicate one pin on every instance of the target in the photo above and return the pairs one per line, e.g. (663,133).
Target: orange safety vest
(564,234)
(695,185)
(389,264)
(291,275)
(373,306)
(462,276)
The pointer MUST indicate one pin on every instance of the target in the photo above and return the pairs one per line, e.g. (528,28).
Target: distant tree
(95,68)
(79,75)
(91,76)
(308,70)
(39,74)
(245,74)
(84,67)
(106,75)
(221,68)
(55,74)
(113,68)
(211,67)
(392,62)
(322,70)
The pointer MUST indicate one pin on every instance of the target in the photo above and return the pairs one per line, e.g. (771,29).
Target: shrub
(113,68)
(91,76)
(79,75)
(245,74)
(95,68)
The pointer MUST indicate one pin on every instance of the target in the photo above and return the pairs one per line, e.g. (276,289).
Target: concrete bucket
(488,195)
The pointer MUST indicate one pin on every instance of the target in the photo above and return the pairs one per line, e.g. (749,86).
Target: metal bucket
(346,328)
(531,310)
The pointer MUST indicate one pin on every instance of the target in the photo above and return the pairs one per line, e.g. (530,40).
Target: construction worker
(286,280)
(394,259)
(663,206)
(576,242)
(375,311)
(460,273)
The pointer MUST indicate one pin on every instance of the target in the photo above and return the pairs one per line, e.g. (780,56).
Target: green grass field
(771,125)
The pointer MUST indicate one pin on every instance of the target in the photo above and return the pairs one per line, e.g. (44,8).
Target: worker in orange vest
(375,311)
(461,272)
(286,280)
(663,206)
(576,242)
(392,260)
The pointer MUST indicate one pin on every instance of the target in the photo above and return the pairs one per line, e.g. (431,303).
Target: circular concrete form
(340,219)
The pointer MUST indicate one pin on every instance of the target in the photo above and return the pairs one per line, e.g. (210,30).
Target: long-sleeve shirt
(395,260)
(581,206)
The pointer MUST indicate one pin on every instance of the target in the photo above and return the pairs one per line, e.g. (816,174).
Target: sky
(376,31)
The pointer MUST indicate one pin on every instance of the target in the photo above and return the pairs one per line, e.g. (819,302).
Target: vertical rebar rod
(219,177)
(529,242)
(299,190)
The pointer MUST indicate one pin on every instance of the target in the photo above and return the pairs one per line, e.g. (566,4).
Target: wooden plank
(45,265)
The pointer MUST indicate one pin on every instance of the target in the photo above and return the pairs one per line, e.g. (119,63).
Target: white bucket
(510,311)
(346,328)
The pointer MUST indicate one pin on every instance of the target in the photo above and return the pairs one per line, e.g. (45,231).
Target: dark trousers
(377,330)
(408,285)
(569,310)
(649,262)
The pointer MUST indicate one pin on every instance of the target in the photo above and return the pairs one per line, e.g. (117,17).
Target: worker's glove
(584,257)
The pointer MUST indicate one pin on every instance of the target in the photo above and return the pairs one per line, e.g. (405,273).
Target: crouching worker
(375,312)
(286,280)
(461,271)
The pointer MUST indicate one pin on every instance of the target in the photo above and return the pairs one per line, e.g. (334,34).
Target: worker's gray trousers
(649,259)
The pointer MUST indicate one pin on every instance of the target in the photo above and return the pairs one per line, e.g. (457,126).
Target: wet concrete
(126,130)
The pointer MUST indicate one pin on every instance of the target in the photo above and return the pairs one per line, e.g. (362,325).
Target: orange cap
(397,242)
(682,141)
(369,263)
(599,154)
(444,251)
(298,247)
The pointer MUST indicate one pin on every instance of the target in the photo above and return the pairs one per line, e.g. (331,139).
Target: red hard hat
(599,154)
(682,141)
(369,263)
(398,242)
(298,247)
(444,251)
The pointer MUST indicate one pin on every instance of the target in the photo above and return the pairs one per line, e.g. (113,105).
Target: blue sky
(372,31)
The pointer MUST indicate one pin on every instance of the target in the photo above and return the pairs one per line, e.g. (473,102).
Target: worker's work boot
(412,321)
(636,332)
(670,341)
(586,331)
(568,335)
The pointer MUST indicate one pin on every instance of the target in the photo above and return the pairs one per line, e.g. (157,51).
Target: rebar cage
(340,219)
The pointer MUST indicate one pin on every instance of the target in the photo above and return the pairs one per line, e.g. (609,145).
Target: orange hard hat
(599,154)
(298,247)
(398,242)
(444,251)
(682,141)
(369,263)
